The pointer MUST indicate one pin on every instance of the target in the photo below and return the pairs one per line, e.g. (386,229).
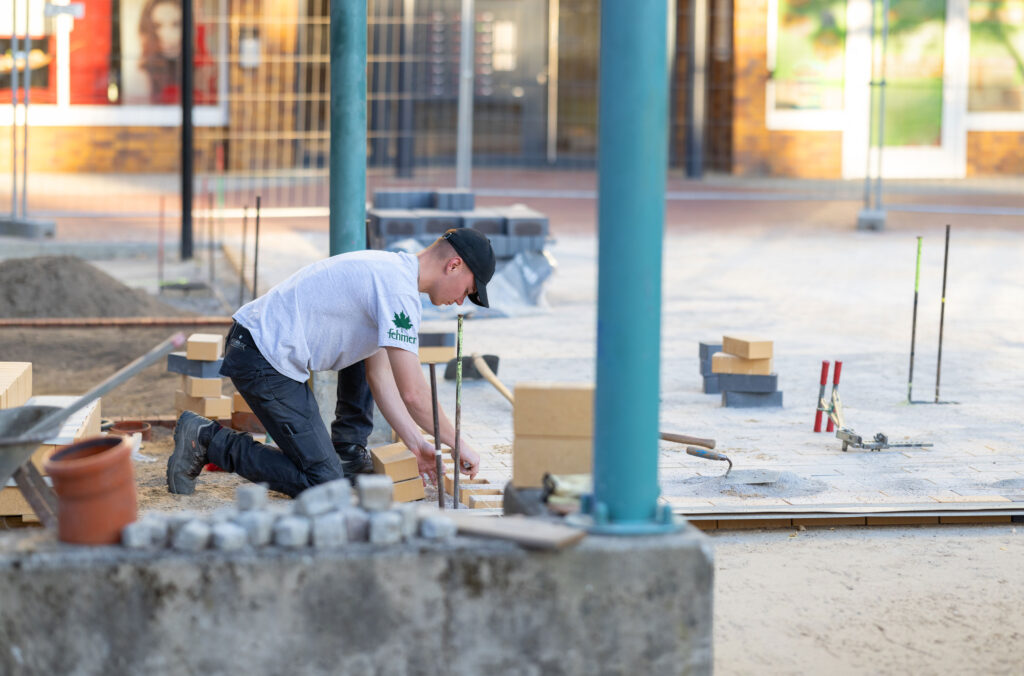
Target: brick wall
(126,150)
(756,150)
(262,124)
(995,153)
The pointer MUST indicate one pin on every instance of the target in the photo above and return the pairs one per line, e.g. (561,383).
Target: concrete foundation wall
(608,606)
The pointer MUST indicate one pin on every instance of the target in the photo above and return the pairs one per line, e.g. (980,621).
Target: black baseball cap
(475,249)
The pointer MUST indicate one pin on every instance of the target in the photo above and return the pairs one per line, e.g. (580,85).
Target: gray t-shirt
(336,312)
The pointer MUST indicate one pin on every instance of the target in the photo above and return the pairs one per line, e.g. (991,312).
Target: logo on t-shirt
(402,324)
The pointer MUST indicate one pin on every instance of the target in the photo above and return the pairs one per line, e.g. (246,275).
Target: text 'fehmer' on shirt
(336,312)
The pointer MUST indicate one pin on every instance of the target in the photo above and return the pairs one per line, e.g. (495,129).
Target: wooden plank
(525,531)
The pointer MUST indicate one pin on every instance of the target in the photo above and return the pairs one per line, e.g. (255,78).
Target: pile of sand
(66,286)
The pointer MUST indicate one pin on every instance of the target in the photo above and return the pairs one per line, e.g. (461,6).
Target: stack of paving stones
(424,215)
(327,516)
(741,370)
(199,367)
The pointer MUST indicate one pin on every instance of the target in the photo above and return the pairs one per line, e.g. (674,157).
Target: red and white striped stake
(821,395)
(835,386)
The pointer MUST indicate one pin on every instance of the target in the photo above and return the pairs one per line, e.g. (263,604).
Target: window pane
(997,56)
(809,54)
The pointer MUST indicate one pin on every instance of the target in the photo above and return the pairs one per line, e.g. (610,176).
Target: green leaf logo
(402,321)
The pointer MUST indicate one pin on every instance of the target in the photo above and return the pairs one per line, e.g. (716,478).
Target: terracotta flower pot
(126,428)
(95,486)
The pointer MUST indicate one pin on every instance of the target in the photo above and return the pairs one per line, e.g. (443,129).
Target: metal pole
(913,323)
(872,112)
(186,130)
(14,110)
(696,81)
(405,157)
(464,128)
(942,316)
(347,173)
(241,268)
(881,104)
(438,459)
(456,447)
(632,162)
(256,251)
(26,82)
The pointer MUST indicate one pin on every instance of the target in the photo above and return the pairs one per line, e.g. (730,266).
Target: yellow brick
(728,363)
(15,383)
(436,354)
(746,348)
(395,460)
(204,346)
(13,503)
(201,387)
(239,405)
(215,408)
(481,489)
(409,490)
(533,457)
(464,481)
(485,501)
(548,409)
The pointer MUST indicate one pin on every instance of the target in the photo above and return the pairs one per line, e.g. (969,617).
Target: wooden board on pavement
(526,531)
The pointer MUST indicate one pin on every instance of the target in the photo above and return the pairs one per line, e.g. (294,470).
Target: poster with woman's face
(151,53)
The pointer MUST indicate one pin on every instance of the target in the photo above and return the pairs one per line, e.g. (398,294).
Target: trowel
(741,476)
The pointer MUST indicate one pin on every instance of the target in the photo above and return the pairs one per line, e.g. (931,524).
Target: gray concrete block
(178,362)
(751,399)
(711,384)
(410,514)
(137,535)
(315,500)
(340,491)
(402,199)
(734,382)
(437,339)
(521,221)
(228,536)
(485,221)
(222,514)
(708,348)
(454,199)
(648,599)
(438,527)
(159,529)
(395,223)
(194,536)
(258,525)
(357,524)
(386,528)
(292,531)
(329,530)
(249,497)
(375,491)
(175,520)
(434,223)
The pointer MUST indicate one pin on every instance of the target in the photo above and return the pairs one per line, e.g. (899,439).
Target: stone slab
(609,605)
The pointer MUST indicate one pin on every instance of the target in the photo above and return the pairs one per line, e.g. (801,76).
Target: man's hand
(469,459)
(425,460)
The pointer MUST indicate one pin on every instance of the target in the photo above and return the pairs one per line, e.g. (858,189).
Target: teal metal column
(347,171)
(632,161)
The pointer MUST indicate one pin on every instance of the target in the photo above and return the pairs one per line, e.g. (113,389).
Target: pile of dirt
(66,286)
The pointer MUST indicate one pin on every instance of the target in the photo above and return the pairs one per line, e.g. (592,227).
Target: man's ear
(453,264)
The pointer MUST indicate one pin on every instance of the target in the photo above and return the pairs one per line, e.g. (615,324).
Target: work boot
(355,459)
(189,456)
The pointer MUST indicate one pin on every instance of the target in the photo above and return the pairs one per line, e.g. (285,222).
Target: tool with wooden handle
(710,455)
(687,440)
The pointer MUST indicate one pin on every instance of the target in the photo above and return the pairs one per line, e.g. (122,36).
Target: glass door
(924,67)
